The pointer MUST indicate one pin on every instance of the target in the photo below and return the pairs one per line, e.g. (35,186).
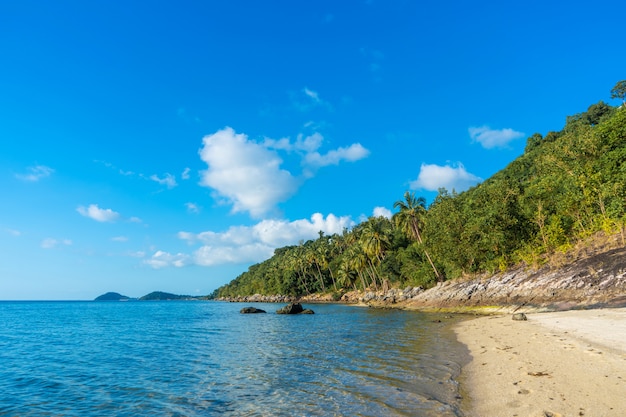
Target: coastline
(567,363)
(562,361)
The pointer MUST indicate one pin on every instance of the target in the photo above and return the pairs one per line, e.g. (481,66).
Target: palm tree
(296,262)
(376,240)
(375,237)
(410,220)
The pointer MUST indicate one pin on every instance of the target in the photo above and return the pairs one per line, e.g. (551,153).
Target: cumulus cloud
(382,212)
(247,174)
(432,177)
(162,259)
(96,213)
(493,138)
(308,146)
(249,244)
(352,153)
(302,143)
(168,180)
(35,173)
(211,255)
(50,243)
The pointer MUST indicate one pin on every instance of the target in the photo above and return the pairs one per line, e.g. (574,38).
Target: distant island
(112,296)
(153,296)
(164,296)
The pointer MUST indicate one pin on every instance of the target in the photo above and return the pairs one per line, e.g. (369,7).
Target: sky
(152,145)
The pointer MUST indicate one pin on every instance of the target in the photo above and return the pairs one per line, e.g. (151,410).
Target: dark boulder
(520,317)
(291,308)
(307,311)
(251,310)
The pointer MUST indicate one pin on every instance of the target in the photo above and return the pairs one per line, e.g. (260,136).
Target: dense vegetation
(567,186)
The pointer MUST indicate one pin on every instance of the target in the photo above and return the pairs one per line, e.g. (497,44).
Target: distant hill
(162,296)
(112,296)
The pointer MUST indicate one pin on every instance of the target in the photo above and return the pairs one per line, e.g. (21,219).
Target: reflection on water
(204,358)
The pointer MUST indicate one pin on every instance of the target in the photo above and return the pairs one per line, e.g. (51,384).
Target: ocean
(196,358)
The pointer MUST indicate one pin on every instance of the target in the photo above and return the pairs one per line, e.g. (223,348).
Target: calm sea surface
(205,359)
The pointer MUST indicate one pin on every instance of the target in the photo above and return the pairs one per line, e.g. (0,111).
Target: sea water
(193,358)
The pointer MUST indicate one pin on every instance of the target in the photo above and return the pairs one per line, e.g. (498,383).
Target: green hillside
(566,187)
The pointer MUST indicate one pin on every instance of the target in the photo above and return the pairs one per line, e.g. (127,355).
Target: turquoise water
(206,359)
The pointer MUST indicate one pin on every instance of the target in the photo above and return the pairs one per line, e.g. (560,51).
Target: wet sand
(570,363)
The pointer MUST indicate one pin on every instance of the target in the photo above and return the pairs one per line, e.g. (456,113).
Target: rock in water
(251,310)
(520,317)
(307,311)
(291,308)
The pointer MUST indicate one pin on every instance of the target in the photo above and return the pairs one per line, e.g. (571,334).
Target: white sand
(570,363)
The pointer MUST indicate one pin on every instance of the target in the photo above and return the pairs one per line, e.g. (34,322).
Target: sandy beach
(570,363)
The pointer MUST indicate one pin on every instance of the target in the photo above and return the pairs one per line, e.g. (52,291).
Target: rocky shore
(592,281)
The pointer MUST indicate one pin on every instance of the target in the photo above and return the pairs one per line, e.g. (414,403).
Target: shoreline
(566,363)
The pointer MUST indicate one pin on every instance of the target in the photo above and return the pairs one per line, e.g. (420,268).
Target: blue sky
(168,145)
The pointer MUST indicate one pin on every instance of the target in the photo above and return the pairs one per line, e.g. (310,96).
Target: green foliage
(593,116)
(566,186)
(619,91)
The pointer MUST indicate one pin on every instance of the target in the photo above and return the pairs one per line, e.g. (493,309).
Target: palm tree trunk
(303,282)
(430,261)
(362,280)
(333,278)
(319,271)
(372,274)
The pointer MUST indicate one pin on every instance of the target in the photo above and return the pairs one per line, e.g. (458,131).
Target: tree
(410,219)
(619,91)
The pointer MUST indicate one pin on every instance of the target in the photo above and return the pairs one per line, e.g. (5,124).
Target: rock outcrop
(595,281)
(293,308)
(251,310)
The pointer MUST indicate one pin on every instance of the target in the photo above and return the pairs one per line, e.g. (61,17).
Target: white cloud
(162,259)
(432,177)
(185,174)
(98,214)
(35,173)
(352,153)
(312,94)
(210,255)
(119,239)
(247,174)
(13,232)
(50,243)
(303,143)
(247,244)
(492,138)
(135,220)
(382,212)
(168,180)
(310,100)
(192,207)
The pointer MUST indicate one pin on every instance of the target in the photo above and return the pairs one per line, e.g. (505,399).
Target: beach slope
(568,363)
